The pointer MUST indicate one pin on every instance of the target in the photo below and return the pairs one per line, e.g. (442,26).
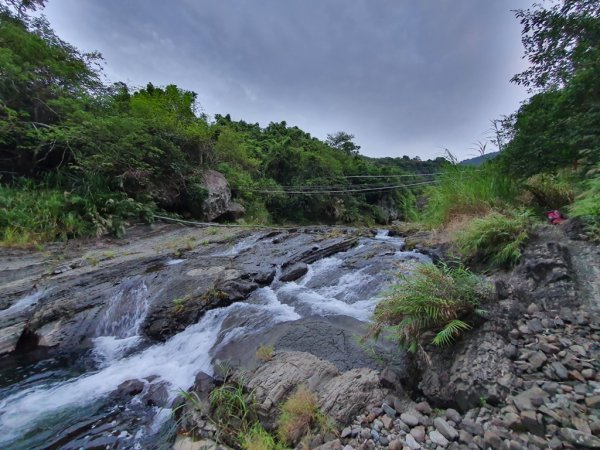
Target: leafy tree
(343,141)
(560,125)
(559,41)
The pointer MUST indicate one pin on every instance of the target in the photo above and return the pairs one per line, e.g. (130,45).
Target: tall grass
(467,191)
(36,212)
(495,240)
(433,300)
(587,206)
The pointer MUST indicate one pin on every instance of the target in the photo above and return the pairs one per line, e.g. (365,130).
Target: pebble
(418,433)
(409,419)
(453,415)
(447,430)
(387,409)
(411,442)
(423,408)
(437,438)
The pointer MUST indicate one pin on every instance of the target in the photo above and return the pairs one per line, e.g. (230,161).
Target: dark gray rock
(293,272)
(472,427)
(579,439)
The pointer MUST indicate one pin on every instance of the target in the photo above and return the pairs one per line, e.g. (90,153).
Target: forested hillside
(81,157)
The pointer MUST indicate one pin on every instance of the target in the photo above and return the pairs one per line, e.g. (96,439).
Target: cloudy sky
(404,76)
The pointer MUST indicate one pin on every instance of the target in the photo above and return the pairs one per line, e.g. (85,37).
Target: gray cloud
(404,77)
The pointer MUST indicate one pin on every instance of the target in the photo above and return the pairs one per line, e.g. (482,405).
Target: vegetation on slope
(67,133)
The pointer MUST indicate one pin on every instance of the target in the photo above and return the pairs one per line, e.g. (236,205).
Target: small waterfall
(118,327)
(125,311)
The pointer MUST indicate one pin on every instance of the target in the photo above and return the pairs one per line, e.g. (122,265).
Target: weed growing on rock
(432,300)
(265,353)
(495,240)
(233,410)
(257,438)
(299,413)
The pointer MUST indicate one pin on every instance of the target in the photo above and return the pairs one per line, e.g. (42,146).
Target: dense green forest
(82,157)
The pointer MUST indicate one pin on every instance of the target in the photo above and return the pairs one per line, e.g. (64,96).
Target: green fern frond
(447,334)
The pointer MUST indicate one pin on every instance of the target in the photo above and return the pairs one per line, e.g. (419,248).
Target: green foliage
(495,240)
(560,125)
(433,299)
(32,213)
(550,191)
(587,206)
(257,438)
(467,191)
(233,410)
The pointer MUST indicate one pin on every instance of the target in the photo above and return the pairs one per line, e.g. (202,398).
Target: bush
(432,299)
(33,213)
(550,191)
(467,191)
(495,240)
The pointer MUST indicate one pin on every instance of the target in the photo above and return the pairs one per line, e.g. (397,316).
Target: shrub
(265,352)
(587,207)
(495,240)
(550,191)
(298,414)
(432,299)
(467,191)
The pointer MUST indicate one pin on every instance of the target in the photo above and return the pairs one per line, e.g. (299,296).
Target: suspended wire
(342,191)
(341,186)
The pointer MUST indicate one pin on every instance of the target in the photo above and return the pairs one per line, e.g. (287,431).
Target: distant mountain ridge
(479,160)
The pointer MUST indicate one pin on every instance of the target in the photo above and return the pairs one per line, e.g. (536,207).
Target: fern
(432,299)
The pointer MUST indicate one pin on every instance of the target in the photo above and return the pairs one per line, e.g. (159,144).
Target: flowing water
(72,405)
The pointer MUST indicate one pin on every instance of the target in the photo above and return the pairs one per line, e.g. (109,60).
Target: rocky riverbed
(99,338)
(527,377)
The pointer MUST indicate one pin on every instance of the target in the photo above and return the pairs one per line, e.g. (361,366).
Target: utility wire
(343,191)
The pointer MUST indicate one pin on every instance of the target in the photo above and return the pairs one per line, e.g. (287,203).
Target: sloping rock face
(476,370)
(340,395)
(212,269)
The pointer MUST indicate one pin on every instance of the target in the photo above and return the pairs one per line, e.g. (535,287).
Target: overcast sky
(405,77)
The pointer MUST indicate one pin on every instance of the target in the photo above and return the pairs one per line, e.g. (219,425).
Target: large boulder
(217,204)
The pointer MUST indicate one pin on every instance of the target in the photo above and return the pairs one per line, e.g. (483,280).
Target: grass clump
(495,240)
(466,191)
(257,438)
(299,414)
(550,191)
(265,353)
(434,300)
(233,411)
